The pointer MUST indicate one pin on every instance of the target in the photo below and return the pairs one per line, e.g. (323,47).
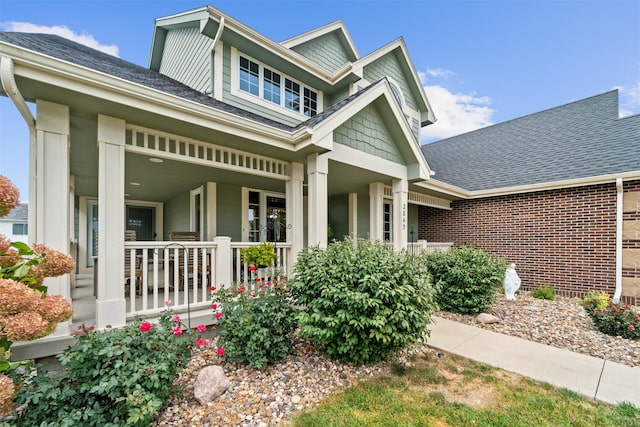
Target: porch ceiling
(344,179)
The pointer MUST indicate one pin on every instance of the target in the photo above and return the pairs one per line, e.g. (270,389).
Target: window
(398,95)
(249,81)
(20,229)
(258,80)
(387,222)
(266,217)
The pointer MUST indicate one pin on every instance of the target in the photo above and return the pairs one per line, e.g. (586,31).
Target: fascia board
(72,77)
(318,32)
(452,190)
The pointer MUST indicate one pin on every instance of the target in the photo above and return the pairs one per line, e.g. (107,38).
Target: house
(15,225)
(556,192)
(227,137)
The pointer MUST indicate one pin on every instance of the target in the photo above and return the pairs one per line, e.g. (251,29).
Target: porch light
(134,183)
(155,160)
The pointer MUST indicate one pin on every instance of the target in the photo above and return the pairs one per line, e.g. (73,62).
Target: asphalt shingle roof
(576,140)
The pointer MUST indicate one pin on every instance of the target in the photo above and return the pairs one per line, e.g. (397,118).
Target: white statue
(511,282)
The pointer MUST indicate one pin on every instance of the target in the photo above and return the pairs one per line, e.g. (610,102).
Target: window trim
(259,99)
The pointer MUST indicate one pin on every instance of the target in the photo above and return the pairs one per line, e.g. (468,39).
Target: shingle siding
(327,52)
(389,66)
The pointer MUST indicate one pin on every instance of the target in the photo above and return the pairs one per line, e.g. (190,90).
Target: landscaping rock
(210,384)
(486,318)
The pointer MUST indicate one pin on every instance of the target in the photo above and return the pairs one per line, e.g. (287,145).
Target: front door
(142,220)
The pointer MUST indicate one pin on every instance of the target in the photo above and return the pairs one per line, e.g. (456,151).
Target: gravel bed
(267,398)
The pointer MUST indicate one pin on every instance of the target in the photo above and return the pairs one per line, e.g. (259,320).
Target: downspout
(216,39)
(8,81)
(619,224)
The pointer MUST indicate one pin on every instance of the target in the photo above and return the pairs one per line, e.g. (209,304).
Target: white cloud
(456,113)
(629,100)
(439,73)
(62,31)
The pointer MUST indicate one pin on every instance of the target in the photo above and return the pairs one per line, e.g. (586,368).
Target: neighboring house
(228,135)
(15,225)
(238,139)
(557,192)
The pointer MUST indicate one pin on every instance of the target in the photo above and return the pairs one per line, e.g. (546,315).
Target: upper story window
(259,80)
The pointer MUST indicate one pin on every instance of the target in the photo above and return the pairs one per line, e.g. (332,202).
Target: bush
(114,377)
(595,299)
(466,278)
(617,320)
(544,292)
(255,329)
(262,255)
(362,300)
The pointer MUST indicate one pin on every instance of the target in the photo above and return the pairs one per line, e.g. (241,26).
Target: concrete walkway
(590,376)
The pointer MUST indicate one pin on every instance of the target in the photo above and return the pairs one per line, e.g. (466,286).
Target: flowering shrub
(112,377)
(617,320)
(362,300)
(595,299)
(255,328)
(9,196)
(467,279)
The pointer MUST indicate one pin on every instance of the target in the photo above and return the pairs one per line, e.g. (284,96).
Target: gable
(367,132)
(389,66)
(326,51)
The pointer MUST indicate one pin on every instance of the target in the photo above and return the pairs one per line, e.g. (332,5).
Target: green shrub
(466,278)
(255,329)
(595,299)
(544,292)
(618,320)
(114,377)
(362,300)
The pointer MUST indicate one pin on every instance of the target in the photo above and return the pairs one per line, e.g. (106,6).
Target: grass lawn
(454,391)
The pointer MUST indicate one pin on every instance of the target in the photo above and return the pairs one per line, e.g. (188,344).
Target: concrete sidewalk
(590,376)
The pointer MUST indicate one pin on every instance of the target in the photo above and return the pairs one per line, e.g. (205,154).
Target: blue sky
(481,62)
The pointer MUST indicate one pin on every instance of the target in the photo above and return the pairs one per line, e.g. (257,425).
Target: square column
(353,216)
(376,212)
(317,170)
(400,212)
(110,302)
(52,214)
(295,211)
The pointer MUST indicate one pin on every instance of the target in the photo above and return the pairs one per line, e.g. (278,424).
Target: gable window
(20,229)
(270,85)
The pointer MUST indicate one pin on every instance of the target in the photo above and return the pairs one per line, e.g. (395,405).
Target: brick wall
(564,237)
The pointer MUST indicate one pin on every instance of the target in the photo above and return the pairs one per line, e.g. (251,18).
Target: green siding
(187,58)
(326,52)
(363,216)
(412,223)
(339,215)
(389,66)
(367,132)
(229,202)
(176,214)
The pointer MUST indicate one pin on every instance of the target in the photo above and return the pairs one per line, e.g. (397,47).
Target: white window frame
(259,99)
(196,224)
(387,236)
(263,211)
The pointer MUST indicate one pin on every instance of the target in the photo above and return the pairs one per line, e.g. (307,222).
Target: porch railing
(184,272)
(424,246)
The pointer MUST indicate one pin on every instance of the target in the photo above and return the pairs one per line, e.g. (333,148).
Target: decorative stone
(485,318)
(511,282)
(295,399)
(210,384)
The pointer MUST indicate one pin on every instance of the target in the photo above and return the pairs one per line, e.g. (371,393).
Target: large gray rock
(210,384)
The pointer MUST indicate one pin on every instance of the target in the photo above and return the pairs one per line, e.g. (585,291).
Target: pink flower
(218,315)
(240,290)
(201,328)
(213,288)
(167,302)
(252,267)
(177,330)
(268,283)
(631,327)
(145,326)
(254,295)
(214,306)
(175,318)
(220,351)
(199,342)
(258,280)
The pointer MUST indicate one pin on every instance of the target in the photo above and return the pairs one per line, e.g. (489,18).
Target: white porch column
(376,195)
(295,214)
(110,301)
(52,190)
(317,169)
(400,212)
(353,215)
(223,263)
